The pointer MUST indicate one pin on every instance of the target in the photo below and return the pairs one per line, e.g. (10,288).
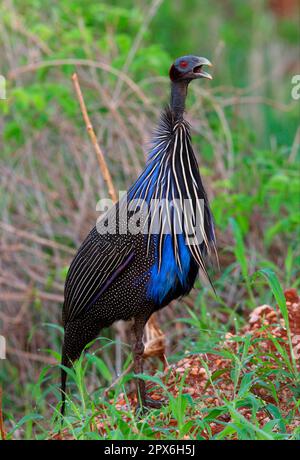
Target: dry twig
(32,356)
(100,157)
(155,337)
(36,239)
(32,67)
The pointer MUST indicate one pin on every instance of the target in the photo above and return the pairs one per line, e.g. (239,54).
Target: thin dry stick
(101,160)
(25,355)
(14,73)
(2,430)
(100,157)
(19,317)
(36,239)
(16,297)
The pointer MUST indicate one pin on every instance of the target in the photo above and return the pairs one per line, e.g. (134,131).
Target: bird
(149,247)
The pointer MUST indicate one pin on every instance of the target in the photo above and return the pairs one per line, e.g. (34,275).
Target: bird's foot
(148,403)
(153,403)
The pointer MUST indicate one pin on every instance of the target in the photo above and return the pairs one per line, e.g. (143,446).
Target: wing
(99,261)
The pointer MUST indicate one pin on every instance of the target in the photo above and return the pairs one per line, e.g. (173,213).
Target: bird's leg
(138,350)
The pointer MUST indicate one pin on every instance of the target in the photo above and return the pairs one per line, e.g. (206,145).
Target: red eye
(183,64)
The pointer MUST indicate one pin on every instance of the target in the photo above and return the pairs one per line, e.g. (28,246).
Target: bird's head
(187,68)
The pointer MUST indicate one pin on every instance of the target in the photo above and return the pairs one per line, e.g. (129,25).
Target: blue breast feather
(165,280)
(172,171)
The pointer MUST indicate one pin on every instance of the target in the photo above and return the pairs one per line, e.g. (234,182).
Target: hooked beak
(198,72)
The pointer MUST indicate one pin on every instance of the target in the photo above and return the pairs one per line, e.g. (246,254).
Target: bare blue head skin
(182,72)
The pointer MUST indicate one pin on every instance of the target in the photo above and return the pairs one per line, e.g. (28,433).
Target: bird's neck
(178,97)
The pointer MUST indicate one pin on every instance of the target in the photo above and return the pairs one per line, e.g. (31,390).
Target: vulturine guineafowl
(147,250)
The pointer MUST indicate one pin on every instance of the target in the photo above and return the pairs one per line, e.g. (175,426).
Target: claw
(148,404)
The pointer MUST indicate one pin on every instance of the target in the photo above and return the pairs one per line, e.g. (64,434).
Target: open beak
(198,71)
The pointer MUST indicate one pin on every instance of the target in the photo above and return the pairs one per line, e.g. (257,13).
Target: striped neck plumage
(170,177)
(178,205)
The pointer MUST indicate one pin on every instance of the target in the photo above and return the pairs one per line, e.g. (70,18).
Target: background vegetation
(245,130)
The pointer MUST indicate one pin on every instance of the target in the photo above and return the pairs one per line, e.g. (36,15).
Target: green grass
(256,283)
(193,417)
